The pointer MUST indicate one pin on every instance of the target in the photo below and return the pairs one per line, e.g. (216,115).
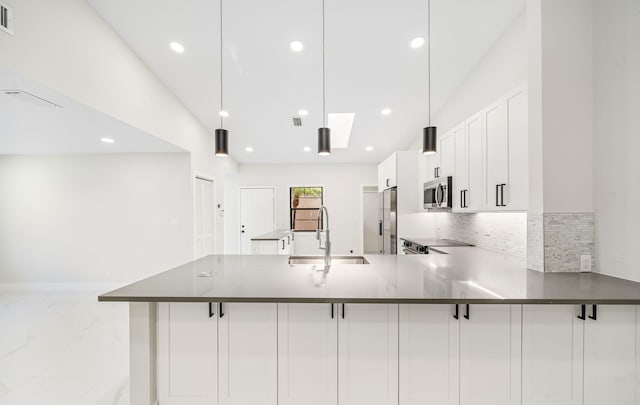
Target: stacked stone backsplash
(567,236)
(502,232)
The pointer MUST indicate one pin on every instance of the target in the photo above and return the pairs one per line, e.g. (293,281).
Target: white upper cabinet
(387,173)
(368,354)
(552,361)
(187,353)
(490,348)
(611,355)
(307,354)
(461,172)
(248,348)
(429,355)
(447,154)
(506,153)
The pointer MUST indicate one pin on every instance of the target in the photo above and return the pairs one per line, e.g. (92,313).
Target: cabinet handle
(497,194)
(331,311)
(456,315)
(465,199)
(282,244)
(502,204)
(343,311)
(380,228)
(583,312)
(388,182)
(594,312)
(211,313)
(461,199)
(466,315)
(220,310)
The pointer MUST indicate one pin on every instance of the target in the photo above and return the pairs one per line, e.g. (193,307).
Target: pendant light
(324,133)
(222,135)
(429,134)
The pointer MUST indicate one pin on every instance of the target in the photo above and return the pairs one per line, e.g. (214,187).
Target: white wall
(94,218)
(342,195)
(66,46)
(503,68)
(617,136)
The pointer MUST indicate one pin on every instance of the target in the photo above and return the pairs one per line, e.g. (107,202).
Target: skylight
(340,125)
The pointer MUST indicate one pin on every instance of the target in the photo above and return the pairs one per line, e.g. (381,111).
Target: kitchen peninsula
(492,332)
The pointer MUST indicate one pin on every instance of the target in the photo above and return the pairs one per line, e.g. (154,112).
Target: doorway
(370,220)
(257,215)
(204,218)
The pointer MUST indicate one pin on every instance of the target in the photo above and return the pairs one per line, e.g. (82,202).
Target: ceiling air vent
(6,18)
(29,98)
(297,121)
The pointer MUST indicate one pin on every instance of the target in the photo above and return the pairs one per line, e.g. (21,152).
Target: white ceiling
(71,128)
(369,65)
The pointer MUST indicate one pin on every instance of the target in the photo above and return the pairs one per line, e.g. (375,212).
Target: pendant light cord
(221,88)
(324,114)
(428,55)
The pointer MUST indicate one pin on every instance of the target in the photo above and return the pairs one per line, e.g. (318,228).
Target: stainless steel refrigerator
(387,238)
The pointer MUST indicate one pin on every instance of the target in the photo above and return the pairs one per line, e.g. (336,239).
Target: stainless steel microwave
(438,194)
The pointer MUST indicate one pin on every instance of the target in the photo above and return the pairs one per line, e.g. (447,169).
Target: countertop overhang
(466,275)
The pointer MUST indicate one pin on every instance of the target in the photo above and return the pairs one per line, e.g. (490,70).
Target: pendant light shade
(222,142)
(324,141)
(429,140)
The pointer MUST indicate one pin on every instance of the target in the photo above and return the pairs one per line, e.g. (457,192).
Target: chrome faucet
(322,214)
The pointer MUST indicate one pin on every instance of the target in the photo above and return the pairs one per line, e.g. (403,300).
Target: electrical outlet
(585,263)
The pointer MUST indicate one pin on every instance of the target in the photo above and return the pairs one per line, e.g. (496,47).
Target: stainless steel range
(420,246)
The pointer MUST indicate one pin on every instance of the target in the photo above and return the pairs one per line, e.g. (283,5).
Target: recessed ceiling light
(177,47)
(307,149)
(107,140)
(296,46)
(249,149)
(369,148)
(417,42)
(385,111)
(223,113)
(303,113)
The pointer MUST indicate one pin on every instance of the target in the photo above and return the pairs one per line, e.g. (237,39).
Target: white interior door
(370,222)
(205,218)
(257,215)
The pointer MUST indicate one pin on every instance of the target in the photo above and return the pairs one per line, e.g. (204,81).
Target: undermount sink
(334,260)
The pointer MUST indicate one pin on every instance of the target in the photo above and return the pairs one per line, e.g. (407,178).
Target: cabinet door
(368,354)
(423,161)
(447,153)
(611,356)
(387,173)
(307,354)
(429,355)
(461,172)
(187,354)
(496,153)
(517,191)
(490,355)
(475,194)
(248,349)
(552,343)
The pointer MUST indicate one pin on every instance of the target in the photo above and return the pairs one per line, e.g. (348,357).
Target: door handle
(456,315)
(583,312)
(594,312)
(211,313)
(466,315)
(220,310)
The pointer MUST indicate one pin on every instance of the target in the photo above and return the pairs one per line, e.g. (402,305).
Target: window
(304,203)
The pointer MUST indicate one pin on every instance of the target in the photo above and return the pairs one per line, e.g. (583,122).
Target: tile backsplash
(501,232)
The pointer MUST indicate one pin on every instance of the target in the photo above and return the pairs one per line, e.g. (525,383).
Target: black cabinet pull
(502,204)
(380,228)
(497,195)
(220,310)
(211,313)
(342,311)
(461,198)
(388,182)
(594,312)
(464,198)
(583,312)
(456,315)
(331,311)
(466,315)
(282,244)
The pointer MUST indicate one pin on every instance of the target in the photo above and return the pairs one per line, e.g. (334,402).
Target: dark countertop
(275,235)
(465,275)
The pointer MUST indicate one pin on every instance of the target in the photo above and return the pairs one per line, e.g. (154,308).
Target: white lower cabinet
(187,349)
(552,359)
(490,350)
(307,354)
(368,354)
(429,355)
(248,354)
(611,355)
